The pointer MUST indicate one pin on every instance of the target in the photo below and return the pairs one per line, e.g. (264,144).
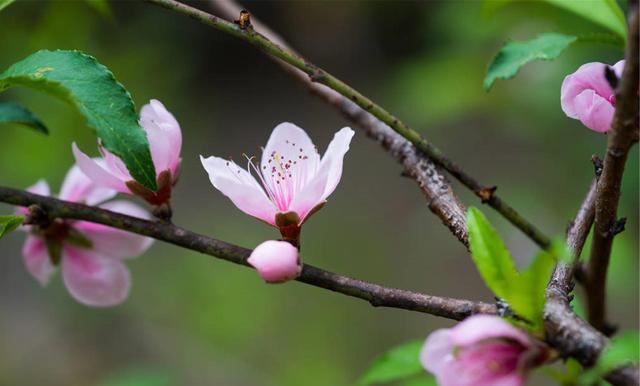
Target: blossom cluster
(291,182)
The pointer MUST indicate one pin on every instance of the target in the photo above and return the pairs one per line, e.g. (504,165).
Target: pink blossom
(165,141)
(275,261)
(586,95)
(90,255)
(292,180)
(482,350)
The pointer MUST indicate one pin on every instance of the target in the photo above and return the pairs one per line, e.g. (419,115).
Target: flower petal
(98,173)
(275,261)
(480,327)
(243,190)
(77,187)
(290,142)
(112,242)
(483,365)
(618,67)
(437,350)
(42,188)
(588,76)
(594,111)
(329,173)
(165,136)
(94,280)
(36,259)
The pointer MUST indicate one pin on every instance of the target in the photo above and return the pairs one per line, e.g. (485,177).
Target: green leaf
(513,55)
(490,255)
(422,380)
(79,79)
(527,294)
(623,349)
(101,6)
(398,363)
(4,3)
(9,223)
(605,13)
(11,112)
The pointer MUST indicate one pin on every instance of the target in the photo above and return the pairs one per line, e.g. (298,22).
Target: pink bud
(276,261)
(482,350)
(586,95)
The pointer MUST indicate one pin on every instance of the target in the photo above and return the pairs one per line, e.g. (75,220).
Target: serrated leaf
(527,294)
(489,254)
(400,362)
(9,223)
(605,13)
(5,3)
(513,55)
(11,112)
(81,80)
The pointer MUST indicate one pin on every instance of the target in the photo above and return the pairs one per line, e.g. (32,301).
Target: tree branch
(623,134)
(434,185)
(569,334)
(319,75)
(377,295)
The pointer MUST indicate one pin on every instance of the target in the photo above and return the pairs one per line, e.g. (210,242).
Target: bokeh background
(195,320)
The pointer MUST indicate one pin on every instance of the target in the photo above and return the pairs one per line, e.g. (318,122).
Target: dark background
(195,320)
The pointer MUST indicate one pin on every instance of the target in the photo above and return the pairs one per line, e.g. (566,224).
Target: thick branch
(375,294)
(623,134)
(570,335)
(318,75)
(434,185)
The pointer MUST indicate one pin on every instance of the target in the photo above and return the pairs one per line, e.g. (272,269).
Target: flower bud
(276,261)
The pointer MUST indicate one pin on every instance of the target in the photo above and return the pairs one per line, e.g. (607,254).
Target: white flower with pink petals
(90,255)
(165,141)
(482,350)
(290,183)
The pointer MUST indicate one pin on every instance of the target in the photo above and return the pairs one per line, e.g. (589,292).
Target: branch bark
(318,75)
(433,183)
(623,134)
(565,331)
(377,295)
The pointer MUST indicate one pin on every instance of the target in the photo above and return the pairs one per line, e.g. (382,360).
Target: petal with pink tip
(241,188)
(594,111)
(275,261)
(96,172)
(77,187)
(437,350)
(112,242)
(480,327)
(36,259)
(165,136)
(329,173)
(94,280)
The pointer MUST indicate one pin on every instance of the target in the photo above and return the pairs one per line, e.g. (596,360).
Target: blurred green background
(195,320)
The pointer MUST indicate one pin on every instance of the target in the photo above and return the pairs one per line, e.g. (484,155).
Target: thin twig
(316,74)
(434,185)
(569,334)
(377,295)
(623,134)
